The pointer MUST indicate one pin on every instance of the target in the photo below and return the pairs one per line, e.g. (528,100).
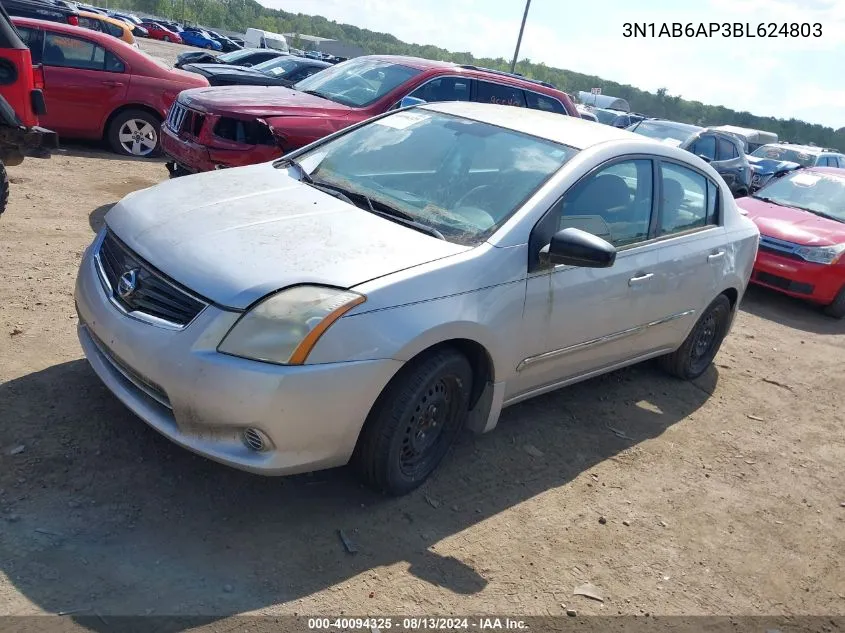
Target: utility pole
(519,39)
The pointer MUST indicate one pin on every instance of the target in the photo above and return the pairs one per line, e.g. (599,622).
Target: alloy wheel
(138,137)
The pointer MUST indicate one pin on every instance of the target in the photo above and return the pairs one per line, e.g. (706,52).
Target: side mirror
(574,247)
(704,158)
(410,101)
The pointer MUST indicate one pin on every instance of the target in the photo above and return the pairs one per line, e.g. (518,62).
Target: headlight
(284,327)
(821,254)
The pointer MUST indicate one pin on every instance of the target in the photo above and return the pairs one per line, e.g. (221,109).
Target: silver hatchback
(366,297)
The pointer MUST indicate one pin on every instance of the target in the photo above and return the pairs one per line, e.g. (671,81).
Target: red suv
(232,126)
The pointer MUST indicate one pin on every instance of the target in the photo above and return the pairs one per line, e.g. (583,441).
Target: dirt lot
(726,496)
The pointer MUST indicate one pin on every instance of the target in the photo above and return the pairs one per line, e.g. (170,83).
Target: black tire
(122,119)
(699,349)
(397,449)
(836,309)
(4,188)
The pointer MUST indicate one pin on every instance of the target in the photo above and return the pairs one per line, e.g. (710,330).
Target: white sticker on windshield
(672,141)
(805,180)
(401,120)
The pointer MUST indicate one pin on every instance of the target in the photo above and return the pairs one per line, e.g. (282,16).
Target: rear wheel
(135,133)
(4,188)
(699,349)
(414,422)
(835,309)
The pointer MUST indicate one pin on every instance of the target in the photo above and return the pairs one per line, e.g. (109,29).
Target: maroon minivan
(232,126)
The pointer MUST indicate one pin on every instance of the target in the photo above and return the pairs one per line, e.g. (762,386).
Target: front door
(83,83)
(594,318)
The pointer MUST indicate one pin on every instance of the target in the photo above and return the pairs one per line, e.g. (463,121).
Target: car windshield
(460,177)
(277,66)
(779,152)
(673,133)
(605,116)
(358,82)
(809,190)
(235,56)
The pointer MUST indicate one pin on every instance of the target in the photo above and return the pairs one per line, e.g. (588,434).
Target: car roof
(807,149)
(105,18)
(69,29)
(677,124)
(567,130)
(838,171)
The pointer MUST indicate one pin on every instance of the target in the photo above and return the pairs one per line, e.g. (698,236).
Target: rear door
(83,83)
(490,92)
(693,255)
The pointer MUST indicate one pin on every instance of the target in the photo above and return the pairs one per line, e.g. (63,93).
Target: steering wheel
(469,194)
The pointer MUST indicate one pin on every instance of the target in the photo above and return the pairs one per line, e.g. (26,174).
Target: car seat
(673,197)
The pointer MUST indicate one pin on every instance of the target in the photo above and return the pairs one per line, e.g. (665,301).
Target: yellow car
(105,24)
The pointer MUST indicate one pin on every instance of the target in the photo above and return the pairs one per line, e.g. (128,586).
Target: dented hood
(236,235)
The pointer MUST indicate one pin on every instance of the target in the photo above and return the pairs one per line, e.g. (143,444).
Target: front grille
(144,291)
(780,247)
(181,119)
(783,283)
(144,384)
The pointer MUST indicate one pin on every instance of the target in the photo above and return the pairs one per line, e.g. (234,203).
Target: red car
(160,32)
(231,126)
(99,87)
(801,217)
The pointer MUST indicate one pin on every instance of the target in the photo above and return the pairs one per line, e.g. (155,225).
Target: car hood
(235,74)
(770,165)
(261,101)
(792,225)
(235,235)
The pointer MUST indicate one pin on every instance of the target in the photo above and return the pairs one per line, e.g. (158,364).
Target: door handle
(640,279)
(713,257)
(111,83)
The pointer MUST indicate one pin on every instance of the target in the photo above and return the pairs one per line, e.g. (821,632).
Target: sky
(795,77)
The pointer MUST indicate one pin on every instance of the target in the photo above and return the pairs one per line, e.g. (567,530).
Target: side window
(73,52)
(614,203)
(705,146)
(497,93)
(89,23)
(726,150)
(443,89)
(34,39)
(712,203)
(536,101)
(685,201)
(113,29)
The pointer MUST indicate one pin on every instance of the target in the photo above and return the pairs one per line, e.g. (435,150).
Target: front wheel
(414,422)
(135,133)
(166,38)
(699,349)
(835,309)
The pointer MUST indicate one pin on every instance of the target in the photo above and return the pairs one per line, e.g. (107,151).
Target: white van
(257,38)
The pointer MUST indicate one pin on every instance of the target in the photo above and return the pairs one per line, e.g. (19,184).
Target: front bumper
(818,283)
(194,157)
(178,383)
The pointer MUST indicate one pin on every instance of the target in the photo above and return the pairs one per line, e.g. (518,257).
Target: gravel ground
(722,496)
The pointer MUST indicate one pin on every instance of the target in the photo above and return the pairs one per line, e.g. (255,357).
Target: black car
(282,71)
(242,57)
(52,11)
(724,151)
(226,42)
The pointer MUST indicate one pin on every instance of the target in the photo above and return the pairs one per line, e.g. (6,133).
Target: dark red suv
(232,126)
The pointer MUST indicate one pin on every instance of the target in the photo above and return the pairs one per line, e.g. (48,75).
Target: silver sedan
(366,297)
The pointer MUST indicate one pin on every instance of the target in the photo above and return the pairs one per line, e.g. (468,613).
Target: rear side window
(536,101)
(685,203)
(113,29)
(705,146)
(444,89)
(726,150)
(488,92)
(74,52)
(89,23)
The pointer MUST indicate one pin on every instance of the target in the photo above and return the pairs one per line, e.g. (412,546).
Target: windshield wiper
(795,206)
(304,176)
(315,93)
